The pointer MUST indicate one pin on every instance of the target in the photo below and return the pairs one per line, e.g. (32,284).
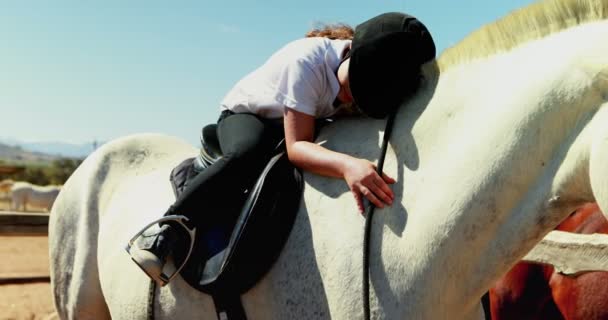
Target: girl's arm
(359,174)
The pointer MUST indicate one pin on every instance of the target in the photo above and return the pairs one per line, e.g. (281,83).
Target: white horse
(507,135)
(24,193)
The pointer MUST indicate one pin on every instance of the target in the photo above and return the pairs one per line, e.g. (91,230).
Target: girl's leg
(247,142)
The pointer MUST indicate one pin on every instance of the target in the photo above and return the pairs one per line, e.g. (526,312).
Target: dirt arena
(24,257)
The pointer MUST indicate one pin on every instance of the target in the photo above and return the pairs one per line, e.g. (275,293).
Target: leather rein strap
(370,215)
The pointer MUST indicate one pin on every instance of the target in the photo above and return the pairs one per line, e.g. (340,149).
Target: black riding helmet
(385,58)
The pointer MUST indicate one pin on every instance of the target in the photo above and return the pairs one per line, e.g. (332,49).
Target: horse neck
(486,147)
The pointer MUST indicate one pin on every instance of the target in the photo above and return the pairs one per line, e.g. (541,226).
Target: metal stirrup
(180,220)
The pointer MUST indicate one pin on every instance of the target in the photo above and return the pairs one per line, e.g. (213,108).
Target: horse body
(583,296)
(489,167)
(537,291)
(24,194)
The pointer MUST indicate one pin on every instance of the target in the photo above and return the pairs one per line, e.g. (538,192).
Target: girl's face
(347,102)
(344,94)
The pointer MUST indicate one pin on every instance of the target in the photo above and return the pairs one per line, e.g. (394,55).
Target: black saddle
(252,231)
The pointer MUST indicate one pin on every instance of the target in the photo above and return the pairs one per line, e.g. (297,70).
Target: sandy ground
(26,301)
(25,256)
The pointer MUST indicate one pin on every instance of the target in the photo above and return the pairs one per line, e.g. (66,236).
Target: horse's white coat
(503,151)
(24,194)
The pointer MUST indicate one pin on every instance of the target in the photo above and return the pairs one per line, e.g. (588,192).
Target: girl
(308,79)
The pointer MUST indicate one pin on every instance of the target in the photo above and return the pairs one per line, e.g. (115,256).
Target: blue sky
(78,71)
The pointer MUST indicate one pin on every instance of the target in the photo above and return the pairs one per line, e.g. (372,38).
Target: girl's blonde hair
(340,31)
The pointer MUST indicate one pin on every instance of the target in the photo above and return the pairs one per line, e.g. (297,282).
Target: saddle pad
(180,175)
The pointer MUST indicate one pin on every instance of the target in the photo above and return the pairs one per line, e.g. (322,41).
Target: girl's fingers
(381,193)
(371,196)
(388,179)
(386,190)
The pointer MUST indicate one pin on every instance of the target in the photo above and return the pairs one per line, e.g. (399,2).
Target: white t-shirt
(300,76)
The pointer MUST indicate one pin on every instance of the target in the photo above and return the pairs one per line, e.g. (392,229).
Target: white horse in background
(24,193)
(507,135)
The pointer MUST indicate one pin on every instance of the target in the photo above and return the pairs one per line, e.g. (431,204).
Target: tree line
(55,172)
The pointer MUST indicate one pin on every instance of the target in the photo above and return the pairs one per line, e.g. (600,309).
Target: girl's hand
(363,180)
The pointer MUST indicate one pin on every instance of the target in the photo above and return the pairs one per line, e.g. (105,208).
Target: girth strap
(228,306)
(151,295)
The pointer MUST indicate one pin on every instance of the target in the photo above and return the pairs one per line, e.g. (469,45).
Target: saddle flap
(233,253)
(217,263)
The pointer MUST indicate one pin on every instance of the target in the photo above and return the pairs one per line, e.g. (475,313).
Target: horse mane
(529,23)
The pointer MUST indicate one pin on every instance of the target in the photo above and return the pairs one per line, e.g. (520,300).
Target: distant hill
(16,154)
(52,149)
(59,148)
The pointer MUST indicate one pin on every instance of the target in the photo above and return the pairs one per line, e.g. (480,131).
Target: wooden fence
(23,224)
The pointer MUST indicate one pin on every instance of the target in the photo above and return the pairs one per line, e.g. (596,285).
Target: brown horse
(535,291)
(5,185)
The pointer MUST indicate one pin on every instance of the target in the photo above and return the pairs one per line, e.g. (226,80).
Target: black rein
(370,215)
